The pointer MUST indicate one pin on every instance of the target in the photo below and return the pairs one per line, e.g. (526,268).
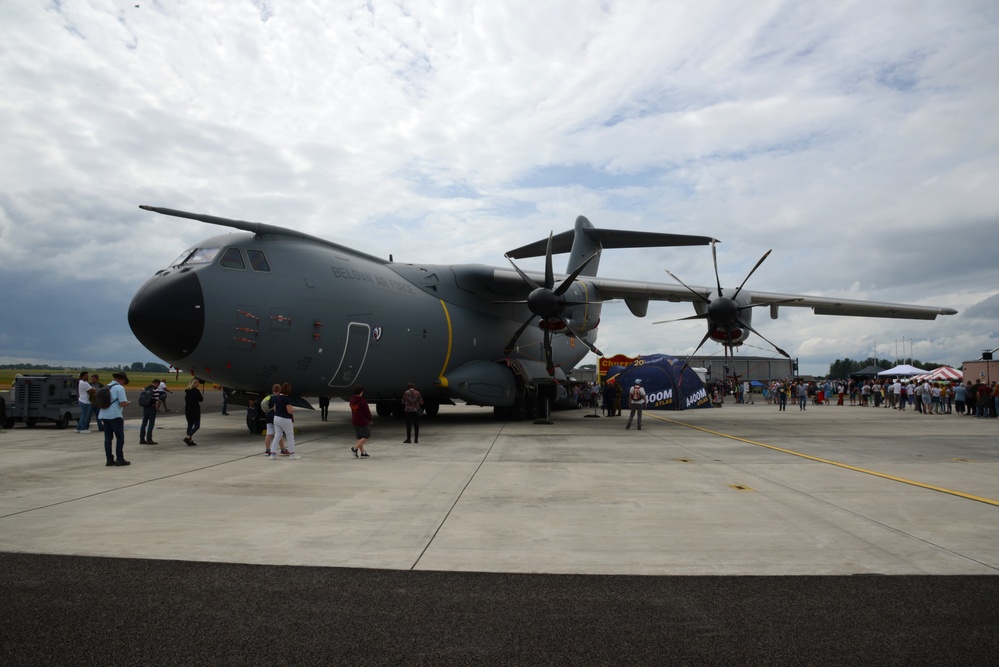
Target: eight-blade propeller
(548,302)
(724,313)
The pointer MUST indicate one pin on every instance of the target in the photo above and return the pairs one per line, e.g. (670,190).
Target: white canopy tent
(903,369)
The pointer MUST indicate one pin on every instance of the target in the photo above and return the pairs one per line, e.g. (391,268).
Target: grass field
(136,380)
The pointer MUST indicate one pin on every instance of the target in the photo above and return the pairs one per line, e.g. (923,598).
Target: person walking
(636,403)
(802,395)
(360,418)
(284,421)
(412,404)
(162,396)
(192,410)
(147,401)
(267,410)
(114,420)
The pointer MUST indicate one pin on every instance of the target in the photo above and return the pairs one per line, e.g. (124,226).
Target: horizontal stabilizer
(609,238)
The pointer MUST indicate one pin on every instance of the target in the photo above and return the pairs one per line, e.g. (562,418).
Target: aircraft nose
(167,315)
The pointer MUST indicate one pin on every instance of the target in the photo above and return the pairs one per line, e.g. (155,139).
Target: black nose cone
(168,315)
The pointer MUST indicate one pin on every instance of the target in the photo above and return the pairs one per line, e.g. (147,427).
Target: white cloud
(858,141)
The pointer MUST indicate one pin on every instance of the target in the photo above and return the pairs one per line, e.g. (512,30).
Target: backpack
(265,405)
(104,397)
(146,397)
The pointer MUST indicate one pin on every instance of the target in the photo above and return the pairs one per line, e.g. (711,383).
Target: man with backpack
(148,401)
(636,403)
(111,399)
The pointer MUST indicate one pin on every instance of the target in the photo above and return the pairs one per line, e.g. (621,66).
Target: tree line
(138,367)
(843,368)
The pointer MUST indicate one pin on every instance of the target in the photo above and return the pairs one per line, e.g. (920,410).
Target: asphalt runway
(837,535)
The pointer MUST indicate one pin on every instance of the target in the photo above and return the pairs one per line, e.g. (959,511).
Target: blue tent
(664,390)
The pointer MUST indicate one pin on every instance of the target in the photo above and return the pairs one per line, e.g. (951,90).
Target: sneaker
(285,452)
(110,462)
(151,442)
(406,442)
(294,457)
(84,431)
(354,450)
(364,455)
(272,457)
(267,452)
(122,462)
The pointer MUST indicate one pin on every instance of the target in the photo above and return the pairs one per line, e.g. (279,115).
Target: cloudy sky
(859,140)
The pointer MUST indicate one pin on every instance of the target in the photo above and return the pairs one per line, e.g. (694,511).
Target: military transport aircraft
(269,304)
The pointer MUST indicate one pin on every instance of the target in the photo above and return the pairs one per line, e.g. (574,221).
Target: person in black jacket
(192,410)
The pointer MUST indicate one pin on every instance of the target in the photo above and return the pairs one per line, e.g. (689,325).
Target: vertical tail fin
(583,246)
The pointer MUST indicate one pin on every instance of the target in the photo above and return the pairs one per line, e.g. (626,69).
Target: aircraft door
(355,349)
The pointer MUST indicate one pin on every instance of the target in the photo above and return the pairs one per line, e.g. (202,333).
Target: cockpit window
(196,256)
(257,260)
(232,259)
(183,257)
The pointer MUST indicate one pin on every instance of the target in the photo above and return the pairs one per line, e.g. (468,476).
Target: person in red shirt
(360,418)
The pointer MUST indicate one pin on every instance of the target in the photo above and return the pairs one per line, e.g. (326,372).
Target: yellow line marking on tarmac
(931,487)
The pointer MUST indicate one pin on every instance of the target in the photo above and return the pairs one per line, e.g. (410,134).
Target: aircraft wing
(637,294)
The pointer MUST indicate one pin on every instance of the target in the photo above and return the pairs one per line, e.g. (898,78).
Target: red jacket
(360,413)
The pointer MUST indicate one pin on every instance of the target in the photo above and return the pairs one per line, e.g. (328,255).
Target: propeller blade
(513,341)
(527,278)
(765,255)
(779,351)
(549,274)
(567,283)
(686,363)
(689,288)
(549,356)
(590,346)
(714,258)
(682,319)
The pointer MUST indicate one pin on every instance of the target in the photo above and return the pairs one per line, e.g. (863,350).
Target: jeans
(114,428)
(148,422)
(85,410)
(638,409)
(193,424)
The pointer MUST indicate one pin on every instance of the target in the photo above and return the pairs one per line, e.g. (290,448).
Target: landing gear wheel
(385,408)
(431,408)
(31,422)
(64,422)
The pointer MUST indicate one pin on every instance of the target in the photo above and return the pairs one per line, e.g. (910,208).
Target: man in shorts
(360,418)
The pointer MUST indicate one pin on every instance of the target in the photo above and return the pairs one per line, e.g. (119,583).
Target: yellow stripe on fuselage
(450,338)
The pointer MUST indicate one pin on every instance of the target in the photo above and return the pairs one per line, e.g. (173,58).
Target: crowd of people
(275,413)
(978,399)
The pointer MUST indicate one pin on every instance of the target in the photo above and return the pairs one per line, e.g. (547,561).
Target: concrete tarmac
(742,490)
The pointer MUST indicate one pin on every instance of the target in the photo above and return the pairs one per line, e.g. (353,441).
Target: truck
(36,398)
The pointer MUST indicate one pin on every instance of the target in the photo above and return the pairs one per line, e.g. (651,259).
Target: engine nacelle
(730,320)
